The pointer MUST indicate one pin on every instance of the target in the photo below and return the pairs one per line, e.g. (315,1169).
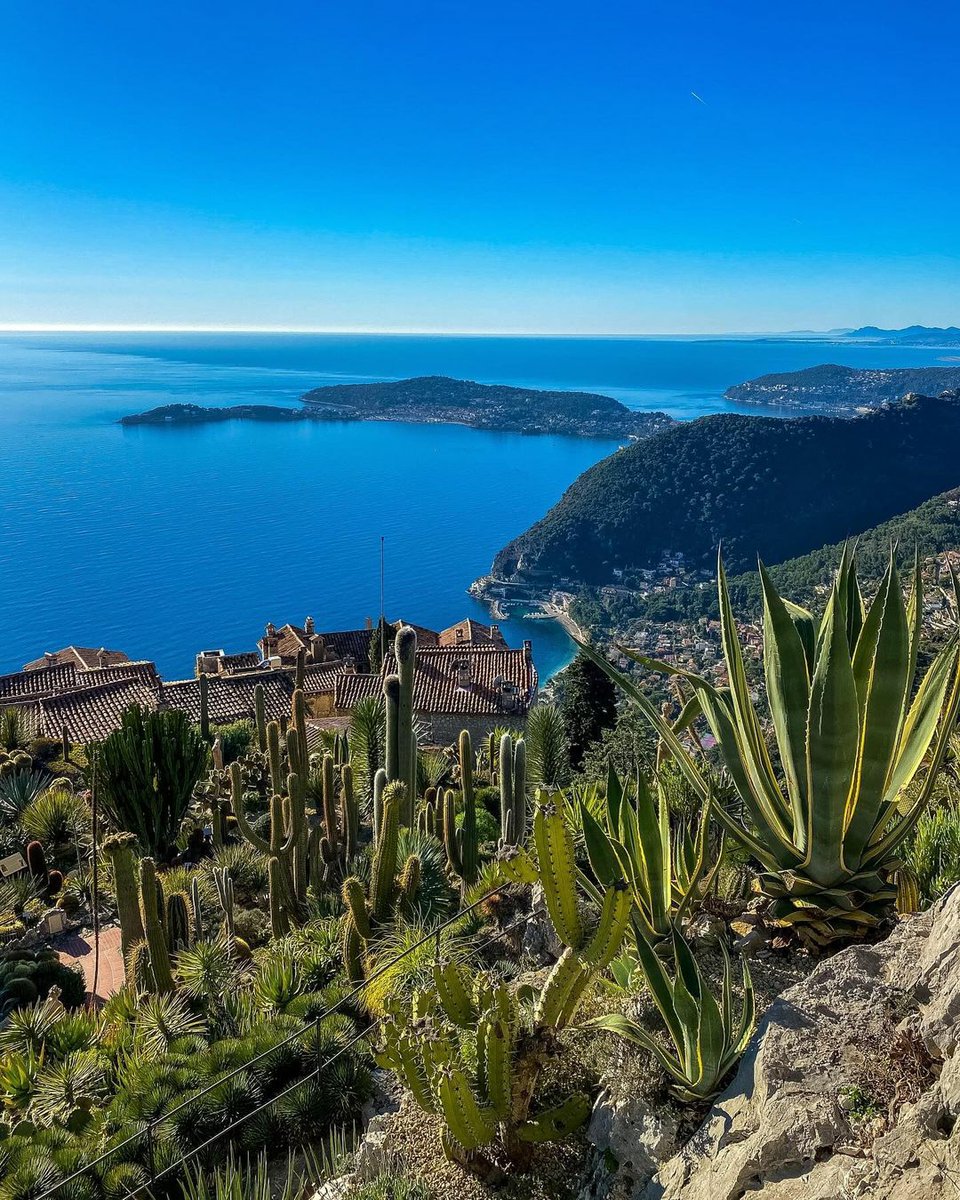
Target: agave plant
(707,1038)
(56,818)
(667,871)
(18,790)
(850,732)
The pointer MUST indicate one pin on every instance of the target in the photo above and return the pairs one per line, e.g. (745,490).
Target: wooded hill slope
(778,488)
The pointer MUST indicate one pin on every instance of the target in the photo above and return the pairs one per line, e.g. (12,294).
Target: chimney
(269,642)
(308,627)
(527,649)
(349,665)
(494,630)
(101,657)
(49,657)
(368,623)
(462,669)
(459,634)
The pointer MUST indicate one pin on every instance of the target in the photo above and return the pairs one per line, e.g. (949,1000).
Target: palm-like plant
(850,732)
(707,1038)
(368,736)
(548,763)
(146,772)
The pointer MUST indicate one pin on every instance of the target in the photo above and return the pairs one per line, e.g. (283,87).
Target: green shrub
(235,739)
(55,818)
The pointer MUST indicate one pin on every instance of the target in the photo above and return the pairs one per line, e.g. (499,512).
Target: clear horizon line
(38,327)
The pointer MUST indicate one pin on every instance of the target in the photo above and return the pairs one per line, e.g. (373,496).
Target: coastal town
(467,677)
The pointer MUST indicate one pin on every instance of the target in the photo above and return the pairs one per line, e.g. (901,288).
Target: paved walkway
(72,948)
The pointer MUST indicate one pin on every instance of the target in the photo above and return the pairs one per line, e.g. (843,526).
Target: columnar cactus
(204,707)
(195,908)
(350,809)
(462,845)
(260,713)
(37,862)
(177,923)
(405,650)
(118,847)
(152,926)
(364,914)
(513,790)
(224,886)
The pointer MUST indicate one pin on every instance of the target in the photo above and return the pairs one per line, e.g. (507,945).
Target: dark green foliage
(761,486)
(235,739)
(486,406)
(588,706)
(146,772)
(18,789)
(40,970)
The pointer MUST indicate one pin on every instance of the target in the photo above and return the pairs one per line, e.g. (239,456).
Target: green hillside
(758,485)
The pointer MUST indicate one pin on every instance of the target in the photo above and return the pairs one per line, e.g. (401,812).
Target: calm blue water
(161,542)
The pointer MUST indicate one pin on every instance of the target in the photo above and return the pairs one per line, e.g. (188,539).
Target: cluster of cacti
(291,844)
(401,737)
(388,891)
(462,845)
(473,1053)
(430,816)
(17,760)
(513,790)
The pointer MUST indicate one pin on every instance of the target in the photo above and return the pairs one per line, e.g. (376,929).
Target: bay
(165,541)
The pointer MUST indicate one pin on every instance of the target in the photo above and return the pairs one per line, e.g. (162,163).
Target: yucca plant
(56,818)
(18,789)
(548,762)
(707,1037)
(851,733)
(667,871)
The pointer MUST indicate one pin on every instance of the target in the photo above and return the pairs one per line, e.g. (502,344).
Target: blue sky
(494,166)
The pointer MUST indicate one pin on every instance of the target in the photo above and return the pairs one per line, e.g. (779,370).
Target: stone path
(72,948)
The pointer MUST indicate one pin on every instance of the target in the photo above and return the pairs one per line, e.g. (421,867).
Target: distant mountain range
(912,335)
(760,486)
(838,390)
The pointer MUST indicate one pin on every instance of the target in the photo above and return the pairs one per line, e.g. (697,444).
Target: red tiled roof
(145,672)
(319,679)
(27,685)
(231,697)
(472,633)
(350,689)
(93,712)
(437,687)
(352,642)
(84,658)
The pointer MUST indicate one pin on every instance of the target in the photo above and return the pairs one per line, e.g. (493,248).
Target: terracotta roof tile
(33,684)
(231,697)
(492,676)
(350,689)
(84,658)
(319,679)
(93,712)
(472,633)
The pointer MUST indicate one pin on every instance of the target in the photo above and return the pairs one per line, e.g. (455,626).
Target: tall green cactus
(118,848)
(388,891)
(177,922)
(513,790)
(204,707)
(288,846)
(462,845)
(350,810)
(405,651)
(224,885)
(152,926)
(260,712)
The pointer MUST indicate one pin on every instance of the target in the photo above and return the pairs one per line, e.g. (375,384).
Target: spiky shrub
(707,1038)
(472,1051)
(56,818)
(547,762)
(851,732)
(146,772)
(632,838)
(931,855)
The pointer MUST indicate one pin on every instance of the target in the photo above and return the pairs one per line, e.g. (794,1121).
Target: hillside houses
(467,677)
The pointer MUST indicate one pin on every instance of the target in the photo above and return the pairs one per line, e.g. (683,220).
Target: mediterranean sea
(164,541)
